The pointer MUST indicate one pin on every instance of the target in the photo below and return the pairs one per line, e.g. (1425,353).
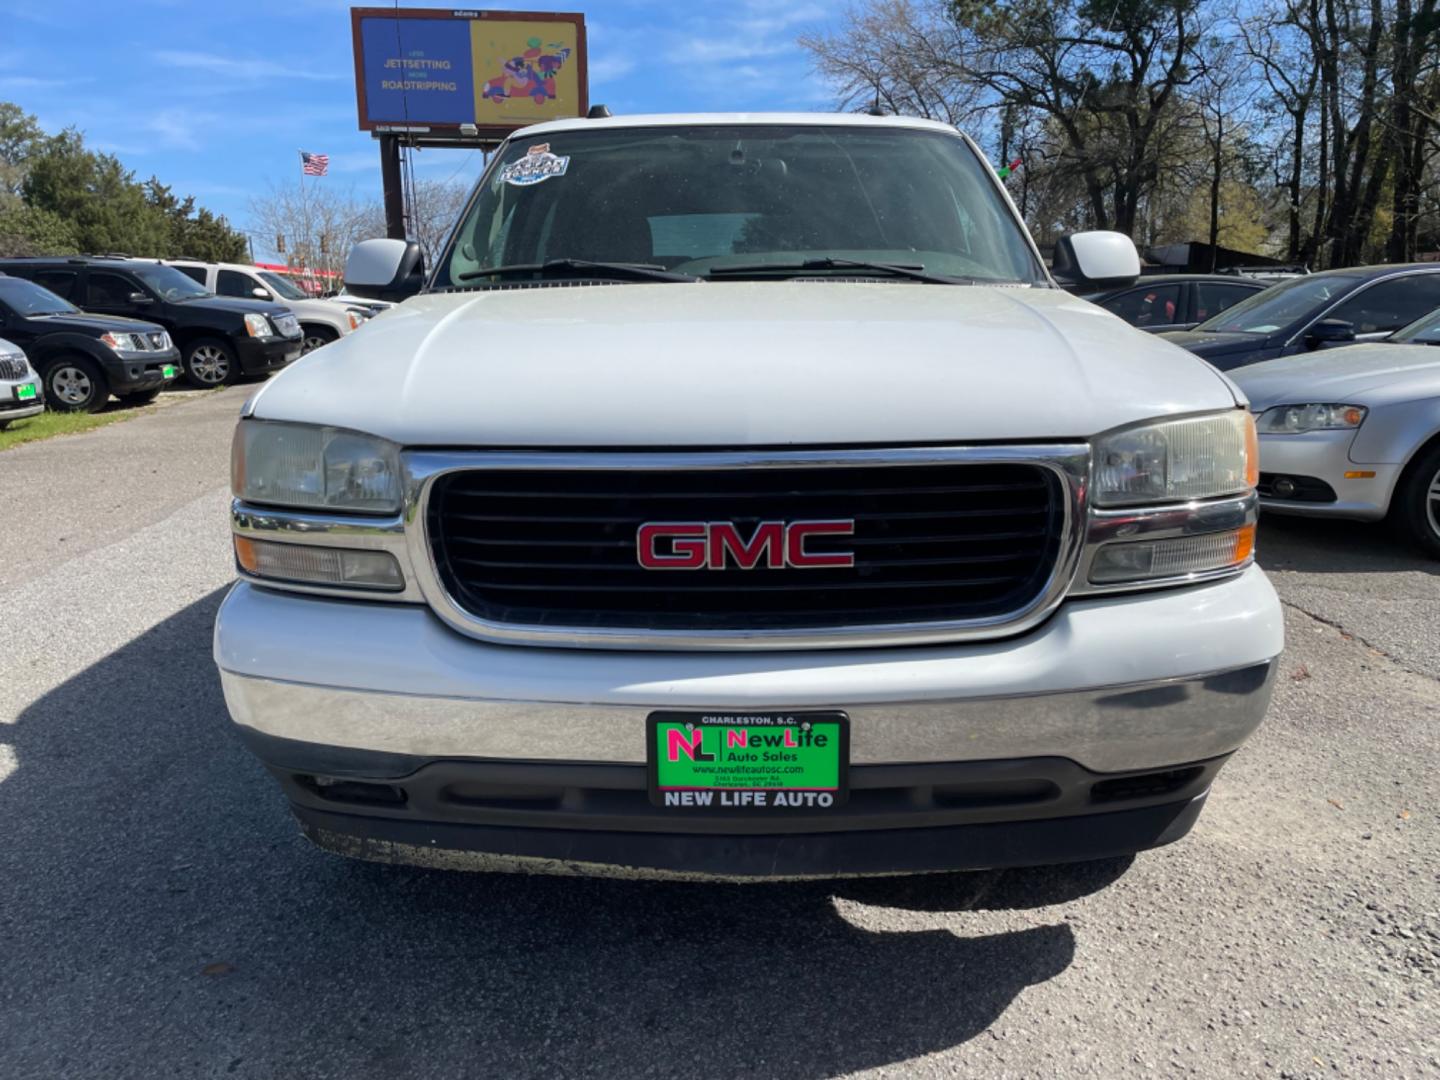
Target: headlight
(123,342)
(1200,457)
(322,467)
(1298,419)
(256,325)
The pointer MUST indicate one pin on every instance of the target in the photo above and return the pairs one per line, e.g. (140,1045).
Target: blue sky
(216,96)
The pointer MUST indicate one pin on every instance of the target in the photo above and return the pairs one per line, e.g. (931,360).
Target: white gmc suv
(740,498)
(321,321)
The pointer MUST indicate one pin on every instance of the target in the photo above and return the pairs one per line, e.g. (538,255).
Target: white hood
(741,363)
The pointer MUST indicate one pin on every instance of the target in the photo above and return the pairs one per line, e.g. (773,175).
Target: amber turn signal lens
(1173,559)
(1244,544)
(306,564)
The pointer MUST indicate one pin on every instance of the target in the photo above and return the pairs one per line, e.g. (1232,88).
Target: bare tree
(314,226)
(905,56)
(1289,69)
(435,207)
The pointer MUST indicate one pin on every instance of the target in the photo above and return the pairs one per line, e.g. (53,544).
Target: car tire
(316,336)
(1417,501)
(209,362)
(140,397)
(75,384)
(4,424)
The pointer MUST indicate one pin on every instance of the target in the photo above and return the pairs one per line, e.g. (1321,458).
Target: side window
(60,282)
(234,283)
(109,290)
(1212,298)
(1390,305)
(1157,305)
(194,273)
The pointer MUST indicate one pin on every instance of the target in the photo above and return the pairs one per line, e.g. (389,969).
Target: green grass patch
(49,424)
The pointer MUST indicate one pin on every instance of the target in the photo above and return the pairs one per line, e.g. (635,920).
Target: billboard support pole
(391,183)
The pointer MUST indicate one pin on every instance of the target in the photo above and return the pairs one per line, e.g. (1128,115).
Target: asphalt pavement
(160,916)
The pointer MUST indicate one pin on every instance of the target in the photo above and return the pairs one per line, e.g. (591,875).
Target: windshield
(1423,331)
(283,285)
(696,199)
(1279,306)
(27,299)
(169,283)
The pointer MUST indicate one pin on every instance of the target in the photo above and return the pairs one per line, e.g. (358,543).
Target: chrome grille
(13,366)
(951,543)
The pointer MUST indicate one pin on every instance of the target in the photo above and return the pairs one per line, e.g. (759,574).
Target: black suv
(83,359)
(218,337)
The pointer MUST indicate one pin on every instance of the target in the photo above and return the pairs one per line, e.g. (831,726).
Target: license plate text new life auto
(25,392)
(169,371)
(752,762)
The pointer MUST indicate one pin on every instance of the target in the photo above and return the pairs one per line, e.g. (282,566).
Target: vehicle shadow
(1324,546)
(160,915)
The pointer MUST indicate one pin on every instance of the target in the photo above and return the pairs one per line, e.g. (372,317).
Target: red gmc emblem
(714,545)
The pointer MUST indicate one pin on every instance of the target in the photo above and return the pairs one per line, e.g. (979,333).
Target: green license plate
(25,392)
(756,762)
(168,371)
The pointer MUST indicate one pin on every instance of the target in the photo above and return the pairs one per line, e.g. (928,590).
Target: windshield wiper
(914,271)
(569,267)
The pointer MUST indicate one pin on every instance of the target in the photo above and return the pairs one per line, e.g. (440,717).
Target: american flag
(314,164)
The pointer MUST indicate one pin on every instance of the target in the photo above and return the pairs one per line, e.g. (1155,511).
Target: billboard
(440,69)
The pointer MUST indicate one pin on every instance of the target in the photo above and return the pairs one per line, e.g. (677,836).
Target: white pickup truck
(740,498)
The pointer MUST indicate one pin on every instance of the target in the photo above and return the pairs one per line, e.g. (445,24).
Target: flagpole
(304,218)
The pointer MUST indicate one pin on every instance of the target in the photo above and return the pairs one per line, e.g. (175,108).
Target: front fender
(42,350)
(1392,434)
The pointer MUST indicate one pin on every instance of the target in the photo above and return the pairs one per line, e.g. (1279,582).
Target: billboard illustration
(498,70)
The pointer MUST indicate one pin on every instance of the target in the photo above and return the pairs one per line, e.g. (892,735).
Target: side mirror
(1330,332)
(1097,260)
(261,294)
(385,269)
(141,298)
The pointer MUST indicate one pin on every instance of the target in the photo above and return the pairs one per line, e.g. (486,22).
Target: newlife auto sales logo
(748,760)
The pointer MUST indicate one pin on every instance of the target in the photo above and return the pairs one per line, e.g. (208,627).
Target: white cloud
(180,127)
(610,67)
(251,69)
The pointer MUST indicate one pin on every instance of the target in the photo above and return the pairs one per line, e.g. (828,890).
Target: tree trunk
(1217,164)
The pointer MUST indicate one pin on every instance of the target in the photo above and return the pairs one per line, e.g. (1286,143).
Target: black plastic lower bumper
(267,354)
(130,376)
(577,817)
(768,856)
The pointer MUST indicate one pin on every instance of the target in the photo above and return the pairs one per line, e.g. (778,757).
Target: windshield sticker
(537,165)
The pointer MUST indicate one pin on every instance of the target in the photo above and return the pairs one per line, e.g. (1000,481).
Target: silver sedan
(1354,432)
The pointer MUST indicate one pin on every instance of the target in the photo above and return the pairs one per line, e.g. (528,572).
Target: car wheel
(140,397)
(75,384)
(4,424)
(209,362)
(1418,502)
(317,336)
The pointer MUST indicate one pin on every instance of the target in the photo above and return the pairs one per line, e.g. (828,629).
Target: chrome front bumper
(1112,683)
